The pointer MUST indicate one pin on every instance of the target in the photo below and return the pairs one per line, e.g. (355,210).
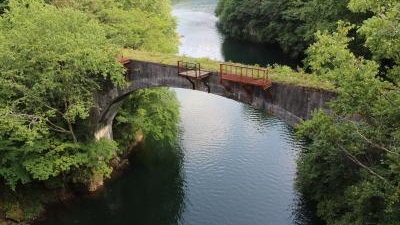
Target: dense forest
(54,55)
(351,168)
(290,23)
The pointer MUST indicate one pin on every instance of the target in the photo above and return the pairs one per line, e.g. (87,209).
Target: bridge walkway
(192,72)
(245,75)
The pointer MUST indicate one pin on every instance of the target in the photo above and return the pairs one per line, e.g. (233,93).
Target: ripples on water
(233,165)
(239,164)
(197,27)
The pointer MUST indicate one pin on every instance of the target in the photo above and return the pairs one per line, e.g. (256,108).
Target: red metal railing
(123,60)
(245,75)
(188,66)
(243,71)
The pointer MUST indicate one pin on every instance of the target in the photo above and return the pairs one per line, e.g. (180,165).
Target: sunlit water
(233,165)
(197,26)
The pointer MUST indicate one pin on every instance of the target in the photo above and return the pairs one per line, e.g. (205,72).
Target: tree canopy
(144,25)
(290,23)
(351,168)
(52,61)
(54,57)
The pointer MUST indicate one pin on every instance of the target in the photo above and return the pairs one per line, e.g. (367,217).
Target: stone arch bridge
(289,102)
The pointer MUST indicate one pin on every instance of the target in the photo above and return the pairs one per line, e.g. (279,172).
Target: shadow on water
(235,166)
(150,192)
(302,209)
(200,37)
(252,53)
(304,212)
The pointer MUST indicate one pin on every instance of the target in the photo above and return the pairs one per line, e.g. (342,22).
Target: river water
(201,38)
(233,164)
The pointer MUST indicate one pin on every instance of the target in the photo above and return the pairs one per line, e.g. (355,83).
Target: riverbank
(29,204)
(233,164)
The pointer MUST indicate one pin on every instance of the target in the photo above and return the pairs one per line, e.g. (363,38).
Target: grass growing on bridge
(278,73)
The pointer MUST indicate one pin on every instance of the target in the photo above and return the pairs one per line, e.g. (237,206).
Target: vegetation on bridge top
(278,73)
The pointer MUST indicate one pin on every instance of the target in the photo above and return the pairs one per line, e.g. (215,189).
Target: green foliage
(382,38)
(290,23)
(153,112)
(3,6)
(351,169)
(53,60)
(137,24)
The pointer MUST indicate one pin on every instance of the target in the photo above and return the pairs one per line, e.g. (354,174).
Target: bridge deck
(245,75)
(247,80)
(198,74)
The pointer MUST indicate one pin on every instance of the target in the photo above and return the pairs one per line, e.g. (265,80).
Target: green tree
(290,23)
(53,60)
(3,5)
(145,24)
(152,112)
(351,169)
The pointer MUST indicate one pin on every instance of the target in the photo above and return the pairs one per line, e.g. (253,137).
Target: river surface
(197,26)
(233,165)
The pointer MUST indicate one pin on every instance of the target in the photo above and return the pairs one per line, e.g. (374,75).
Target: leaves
(290,23)
(54,60)
(154,112)
(355,147)
(145,25)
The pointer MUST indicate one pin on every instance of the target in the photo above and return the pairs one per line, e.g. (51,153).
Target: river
(200,37)
(233,165)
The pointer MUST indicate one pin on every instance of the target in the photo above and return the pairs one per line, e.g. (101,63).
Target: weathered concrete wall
(289,102)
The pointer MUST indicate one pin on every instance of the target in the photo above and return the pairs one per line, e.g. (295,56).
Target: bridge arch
(289,102)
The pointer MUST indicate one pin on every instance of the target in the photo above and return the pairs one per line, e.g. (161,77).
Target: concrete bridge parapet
(289,102)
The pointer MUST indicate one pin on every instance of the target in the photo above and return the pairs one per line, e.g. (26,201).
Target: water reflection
(251,53)
(233,165)
(150,192)
(197,26)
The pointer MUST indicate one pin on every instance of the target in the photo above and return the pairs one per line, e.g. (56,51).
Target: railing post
(221,72)
(198,69)
(241,73)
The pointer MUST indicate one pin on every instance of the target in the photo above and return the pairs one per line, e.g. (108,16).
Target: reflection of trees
(151,192)
(304,212)
(258,117)
(252,53)
(157,193)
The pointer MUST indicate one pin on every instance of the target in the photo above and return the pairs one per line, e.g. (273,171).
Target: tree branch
(356,161)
